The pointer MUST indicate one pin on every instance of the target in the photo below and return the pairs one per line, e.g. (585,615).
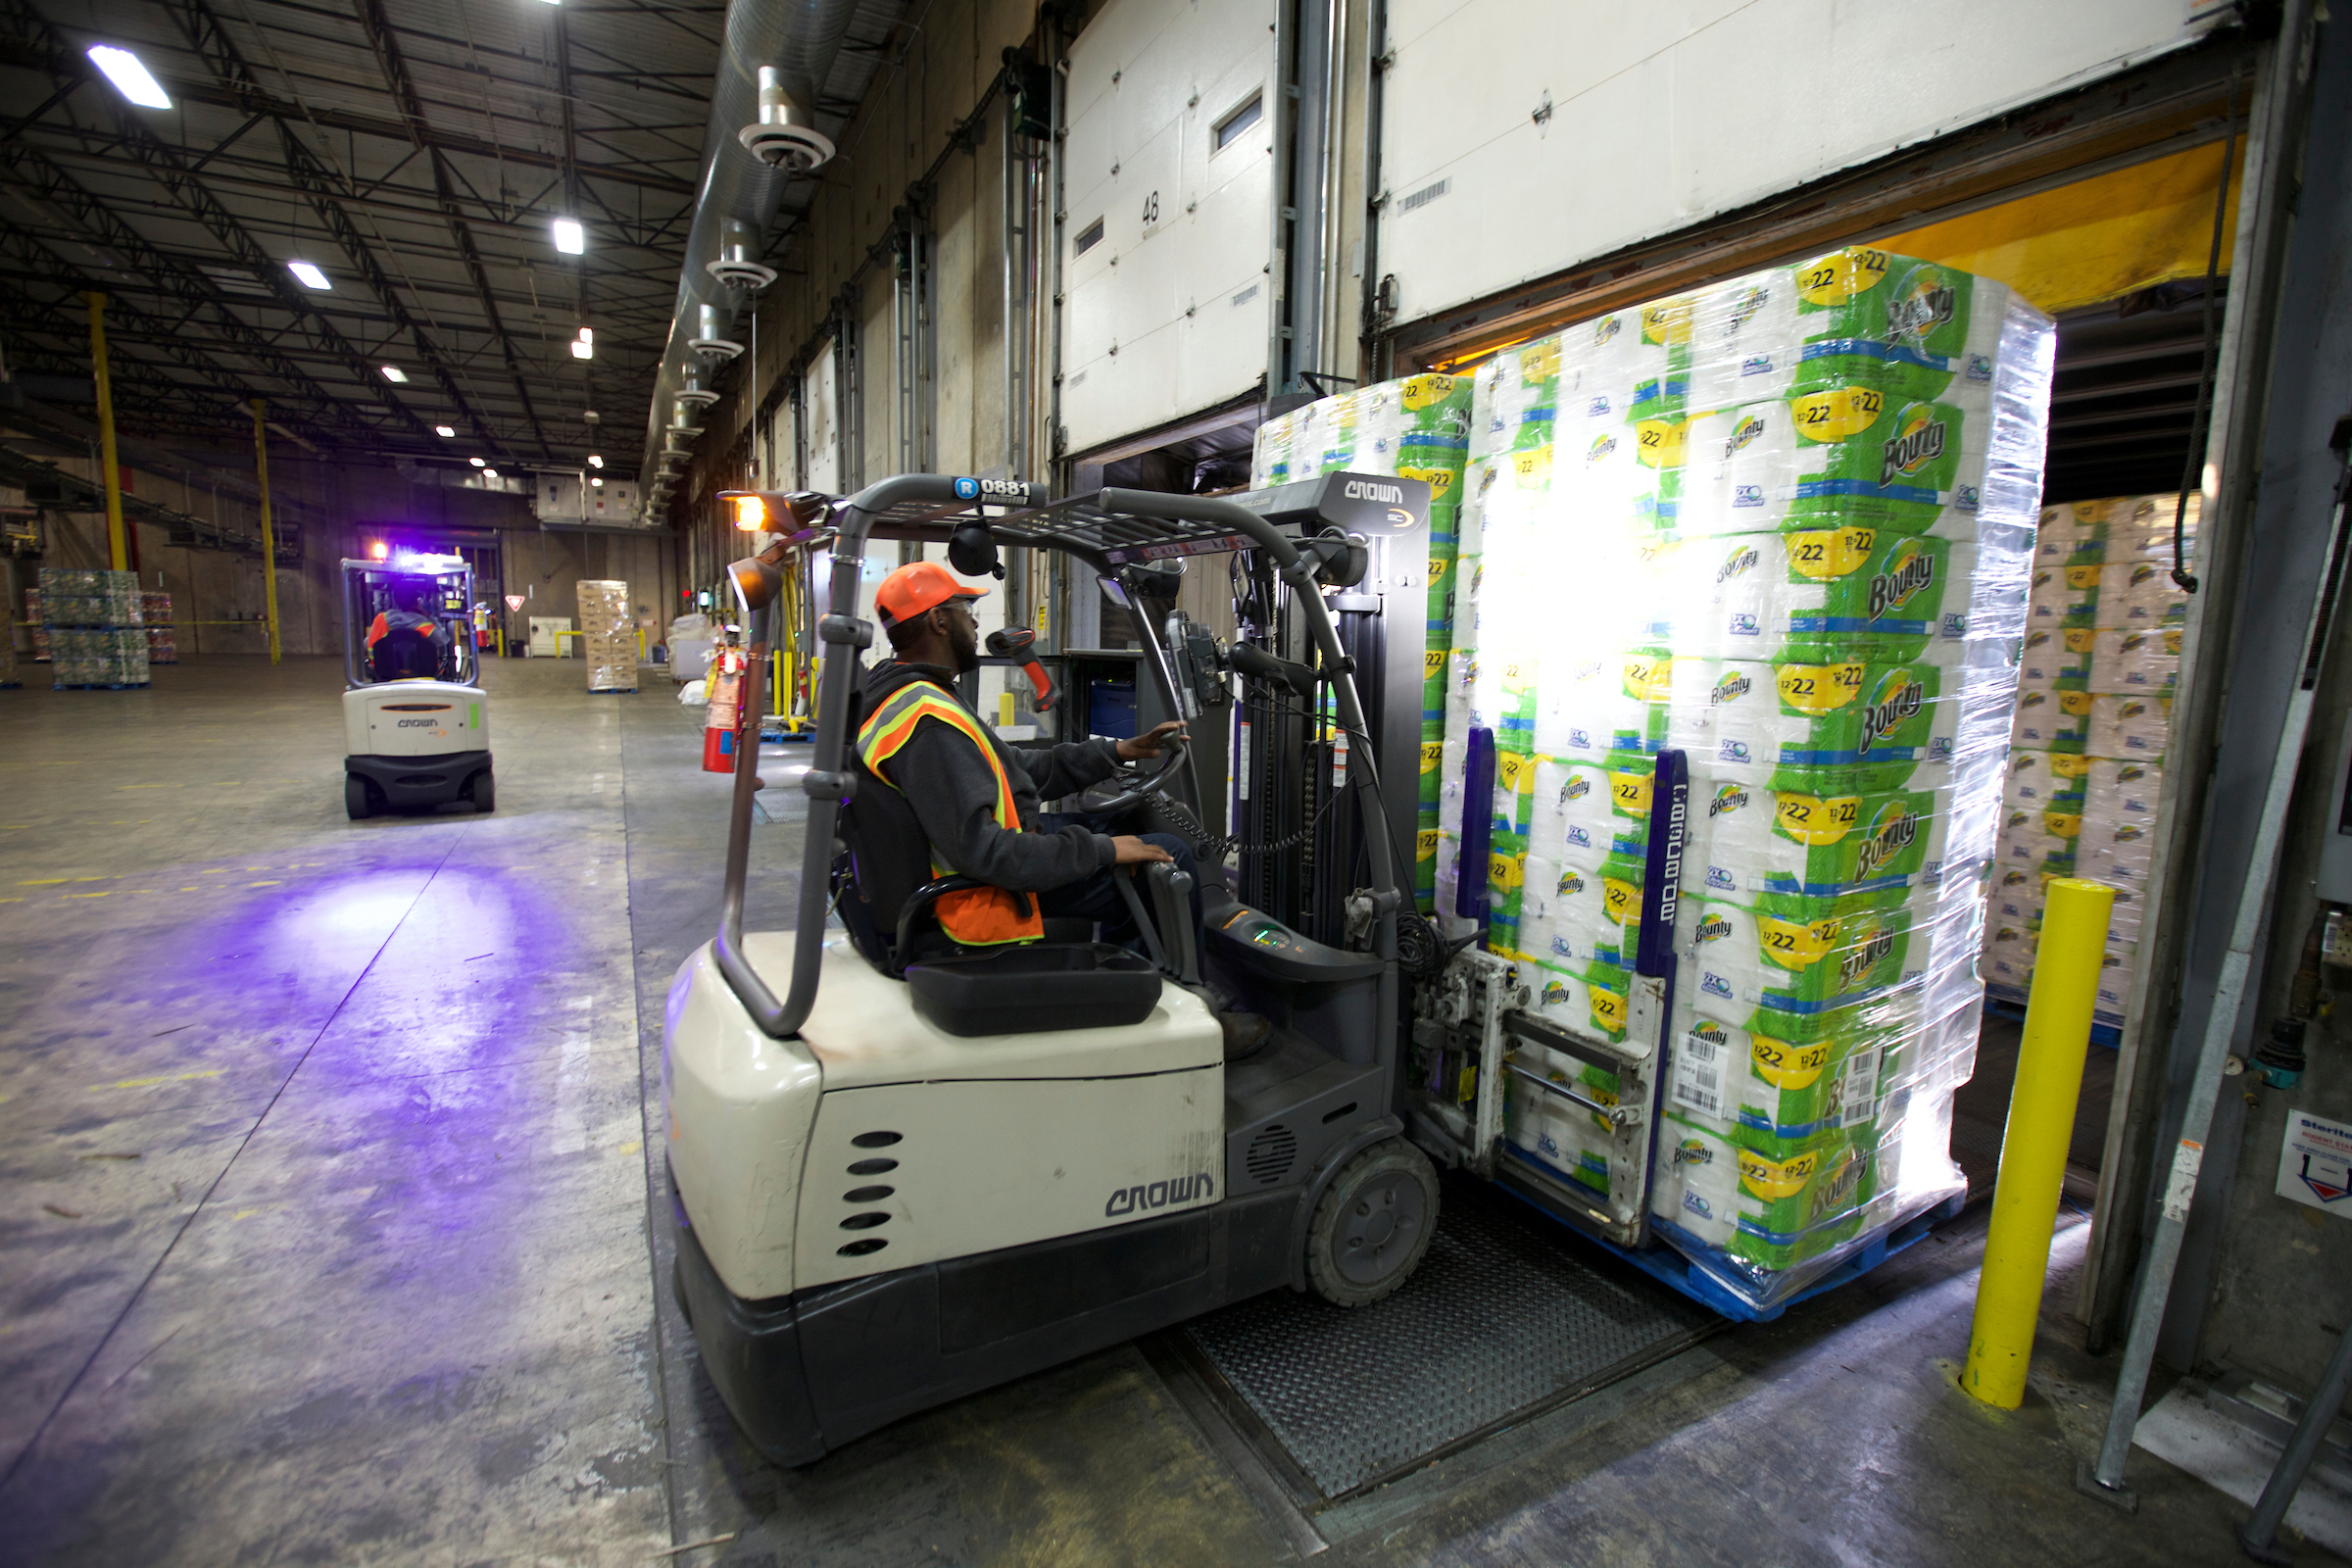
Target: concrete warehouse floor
(325,1175)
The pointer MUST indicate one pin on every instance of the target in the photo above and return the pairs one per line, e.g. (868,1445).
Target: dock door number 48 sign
(2315,1166)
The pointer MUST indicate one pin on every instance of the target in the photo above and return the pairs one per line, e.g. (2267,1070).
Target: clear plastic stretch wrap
(94,626)
(1414,429)
(607,636)
(1786,525)
(2102,654)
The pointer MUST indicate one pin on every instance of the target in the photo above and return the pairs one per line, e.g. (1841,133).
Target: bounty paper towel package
(1785,527)
(2101,661)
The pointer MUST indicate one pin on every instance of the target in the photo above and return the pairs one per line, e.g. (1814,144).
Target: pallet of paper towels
(1786,527)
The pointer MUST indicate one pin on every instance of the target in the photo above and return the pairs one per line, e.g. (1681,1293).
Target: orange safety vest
(976,916)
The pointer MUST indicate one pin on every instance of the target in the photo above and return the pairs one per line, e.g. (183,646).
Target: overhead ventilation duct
(771,75)
(694,393)
(783,137)
(710,341)
(738,267)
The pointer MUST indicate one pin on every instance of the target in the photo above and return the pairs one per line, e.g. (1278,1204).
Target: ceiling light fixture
(479,462)
(394,373)
(489,473)
(570,239)
(309,276)
(582,348)
(597,481)
(595,462)
(445,433)
(130,78)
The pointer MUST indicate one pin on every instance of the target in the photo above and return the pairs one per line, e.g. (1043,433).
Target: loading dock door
(1168,187)
(1516,143)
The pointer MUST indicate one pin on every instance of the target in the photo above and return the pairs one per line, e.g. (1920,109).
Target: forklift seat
(1063,981)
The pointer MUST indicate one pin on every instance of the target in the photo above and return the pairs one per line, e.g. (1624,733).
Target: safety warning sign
(2315,1165)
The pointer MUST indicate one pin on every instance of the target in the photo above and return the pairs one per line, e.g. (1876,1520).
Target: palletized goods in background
(163,644)
(2102,657)
(95,633)
(34,625)
(1784,526)
(1414,429)
(607,636)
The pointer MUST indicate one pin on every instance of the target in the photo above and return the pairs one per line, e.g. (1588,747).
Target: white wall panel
(1152,331)
(1665,115)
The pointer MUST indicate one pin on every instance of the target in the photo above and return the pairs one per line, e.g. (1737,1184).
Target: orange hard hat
(917,587)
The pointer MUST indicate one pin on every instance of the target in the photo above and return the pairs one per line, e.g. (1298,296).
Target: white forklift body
(415,742)
(1000,1139)
(901,1174)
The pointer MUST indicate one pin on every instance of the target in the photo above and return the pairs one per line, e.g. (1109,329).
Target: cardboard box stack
(607,636)
(1786,526)
(95,634)
(162,646)
(2102,657)
(34,625)
(1414,429)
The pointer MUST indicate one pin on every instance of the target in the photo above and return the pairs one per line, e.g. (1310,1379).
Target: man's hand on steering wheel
(1148,745)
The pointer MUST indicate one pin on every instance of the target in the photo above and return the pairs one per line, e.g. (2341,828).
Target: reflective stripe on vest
(975,916)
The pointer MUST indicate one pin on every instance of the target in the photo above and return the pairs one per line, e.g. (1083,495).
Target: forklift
(416,721)
(902,1172)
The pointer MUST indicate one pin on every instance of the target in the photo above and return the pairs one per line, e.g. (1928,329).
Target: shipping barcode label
(1857,1089)
(1699,1075)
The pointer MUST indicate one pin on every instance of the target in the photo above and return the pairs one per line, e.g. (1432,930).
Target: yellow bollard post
(117,551)
(2042,1123)
(261,469)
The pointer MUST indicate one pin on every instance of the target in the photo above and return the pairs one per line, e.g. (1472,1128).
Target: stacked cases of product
(36,627)
(8,645)
(1415,429)
(95,634)
(163,643)
(607,636)
(2093,714)
(1783,525)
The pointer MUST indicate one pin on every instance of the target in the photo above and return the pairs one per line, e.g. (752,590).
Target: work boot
(1246,1034)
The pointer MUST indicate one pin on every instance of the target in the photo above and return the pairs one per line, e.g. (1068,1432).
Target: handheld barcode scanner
(1010,643)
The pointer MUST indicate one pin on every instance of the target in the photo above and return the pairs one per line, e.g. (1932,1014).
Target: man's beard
(965,644)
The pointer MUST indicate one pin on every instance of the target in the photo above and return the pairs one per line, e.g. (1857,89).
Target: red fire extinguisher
(723,728)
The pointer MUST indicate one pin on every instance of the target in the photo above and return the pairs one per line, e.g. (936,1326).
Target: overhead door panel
(823,416)
(1515,146)
(1185,225)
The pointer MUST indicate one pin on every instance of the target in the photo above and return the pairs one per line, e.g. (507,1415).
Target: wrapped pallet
(1786,527)
(607,636)
(97,637)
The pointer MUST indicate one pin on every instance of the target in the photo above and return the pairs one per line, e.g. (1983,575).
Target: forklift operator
(977,798)
(404,642)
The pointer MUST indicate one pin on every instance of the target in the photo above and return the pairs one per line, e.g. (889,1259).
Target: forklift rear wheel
(1372,1225)
(483,790)
(355,796)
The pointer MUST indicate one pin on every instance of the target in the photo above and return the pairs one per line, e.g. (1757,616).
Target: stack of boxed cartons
(95,634)
(34,627)
(8,643)
(1414,429)
(162,646)
(1783,526)
(2102,657)
(607,636)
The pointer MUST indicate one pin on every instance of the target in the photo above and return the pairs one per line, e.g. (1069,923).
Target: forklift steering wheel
(1129,786)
